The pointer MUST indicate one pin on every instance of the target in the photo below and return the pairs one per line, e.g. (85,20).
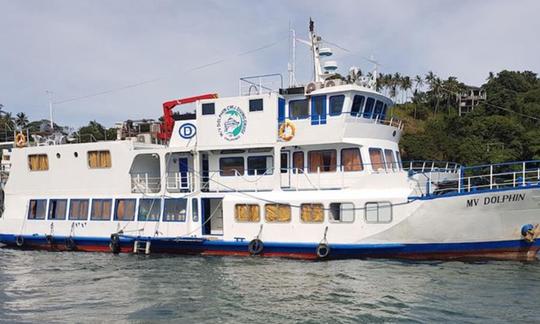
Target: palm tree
(418,83)
(7,121)
(406,85)
(21,120)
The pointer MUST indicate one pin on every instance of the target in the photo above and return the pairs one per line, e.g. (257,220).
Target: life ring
(20,140)
(114,245)
(255,247)
(323,250)
(287,124)
(70,244)
(19,240)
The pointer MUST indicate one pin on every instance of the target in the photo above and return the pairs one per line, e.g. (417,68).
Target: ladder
(141,246)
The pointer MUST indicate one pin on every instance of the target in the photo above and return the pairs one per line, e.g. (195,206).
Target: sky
(115,60)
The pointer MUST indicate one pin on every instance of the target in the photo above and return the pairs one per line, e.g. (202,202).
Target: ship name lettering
(501,199)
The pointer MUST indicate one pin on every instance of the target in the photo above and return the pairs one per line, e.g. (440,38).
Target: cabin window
(358,103)
(247,213)
(37,209)
(378,212)
(377,160)
(38,162)
(351,160)
(284,162)
(99,159)
(78,209)
(368,111)
(124,209)
(298,109)
(298,162)
(175,209)
(312,213)
(259,165)
(57,209)
(149,209)
(256,105)
(342,212)
(390,160)
(336,104)
(231,166)
(385,108)
(318,107)
(277,213)
(101,209)
(195,209)
(400,164)
(208,108)
(322,161)
(378,110)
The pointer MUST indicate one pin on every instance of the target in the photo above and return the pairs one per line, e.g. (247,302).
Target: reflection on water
(85,287)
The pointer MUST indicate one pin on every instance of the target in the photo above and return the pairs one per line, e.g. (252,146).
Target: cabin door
(183,169)
(285,169)
(212,216)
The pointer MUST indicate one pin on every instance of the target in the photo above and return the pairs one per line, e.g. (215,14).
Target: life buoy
(323,250)
(19,240)
(20,140)
(70,244)
(255,247)
(287,125)
(49,239)
(114,245)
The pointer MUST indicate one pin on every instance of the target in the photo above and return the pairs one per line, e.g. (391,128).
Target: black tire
(114,245)
(255,247)
(323,250)
(70,244)
(49,239)
(19,240)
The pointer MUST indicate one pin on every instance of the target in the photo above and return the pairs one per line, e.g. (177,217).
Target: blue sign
(187,130)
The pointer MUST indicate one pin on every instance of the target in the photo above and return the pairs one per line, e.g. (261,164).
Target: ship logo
(231,123)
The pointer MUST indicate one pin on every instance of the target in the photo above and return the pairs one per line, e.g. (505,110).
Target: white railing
(260,84)
(179,181)
(144,183)
(431,166)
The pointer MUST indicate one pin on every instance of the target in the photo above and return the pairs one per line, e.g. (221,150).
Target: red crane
(168,120)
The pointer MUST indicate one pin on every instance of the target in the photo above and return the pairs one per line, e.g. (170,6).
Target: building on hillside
(470,98)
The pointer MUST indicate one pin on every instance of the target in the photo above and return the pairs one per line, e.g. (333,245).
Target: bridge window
(175,209)
(57,209)
(351,160)
(358,103)
(124,209)
(37,209)
(259,165)
(208,108)
(231,166)
(247,213)
(322,161)
(78,209)
(368,111)
(342,212)
(149,209)
(298,109)
(298,162)
(194,209)
(256,105)
(38,162)
(378,110)
(398,156)
(378,212)
(277,213)
(390,160)
(377,160)
(99,159)
(312,213)
(336,105)
(101,209)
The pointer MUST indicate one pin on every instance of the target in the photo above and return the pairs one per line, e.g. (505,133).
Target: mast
(315,40)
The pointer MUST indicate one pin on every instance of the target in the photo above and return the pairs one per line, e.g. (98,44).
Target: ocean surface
(99,287)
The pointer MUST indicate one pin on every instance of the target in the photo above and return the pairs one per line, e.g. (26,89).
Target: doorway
(212,216)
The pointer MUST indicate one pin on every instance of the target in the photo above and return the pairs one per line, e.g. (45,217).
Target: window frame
(222,173)
(360,111)
(45,209)
(317,151)
(383,160)
(312,204)
(342,166)
(207,104)
(160,211)
(101,200)
(299,170)
(38,155)
(247,169)
(302,116)
(391,206)
(372,108)
(341,203)
(247,221)
(255,109)
(277,205)
(173,220)
(115,210)
(99,152)
(194,209)
(330,106)
(49,204)
(70,217)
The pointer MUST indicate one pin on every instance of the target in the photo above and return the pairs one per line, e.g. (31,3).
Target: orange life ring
(287,124)
(20,140)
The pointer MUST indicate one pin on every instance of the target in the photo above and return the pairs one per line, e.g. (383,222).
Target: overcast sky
(79,48)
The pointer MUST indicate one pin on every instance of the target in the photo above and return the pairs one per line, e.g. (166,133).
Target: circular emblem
(187,130)
(231,123)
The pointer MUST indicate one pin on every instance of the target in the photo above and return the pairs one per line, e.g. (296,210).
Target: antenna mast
(50,108)
(292,53)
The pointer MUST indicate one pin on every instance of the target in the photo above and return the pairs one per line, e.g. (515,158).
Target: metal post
(319,177)
(523,174)
(491,176)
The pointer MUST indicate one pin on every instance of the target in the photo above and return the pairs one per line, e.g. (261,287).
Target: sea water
(100,287)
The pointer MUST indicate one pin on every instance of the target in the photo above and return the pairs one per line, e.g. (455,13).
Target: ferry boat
(309,172)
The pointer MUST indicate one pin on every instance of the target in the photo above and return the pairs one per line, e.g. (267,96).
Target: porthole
(394,133)
(58,155)
(75,154)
